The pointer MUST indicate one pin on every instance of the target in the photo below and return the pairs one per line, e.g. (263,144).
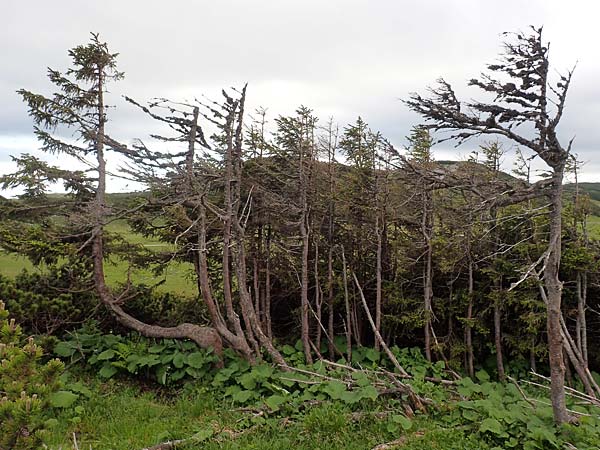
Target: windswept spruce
(296,229)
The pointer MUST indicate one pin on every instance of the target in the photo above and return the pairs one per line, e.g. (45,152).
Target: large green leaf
(482,376)
(492,425)
(179,360)
(196,360)
(242,396)
(63,399)
(263,370)
(248,380)
(64,349)
(369,392)
(350,397)
(403,421)
(372,355)
(107,370)
(106,355)
(275,401)
(157,348)
(334,389)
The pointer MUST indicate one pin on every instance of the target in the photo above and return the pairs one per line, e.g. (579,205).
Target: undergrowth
(324,404)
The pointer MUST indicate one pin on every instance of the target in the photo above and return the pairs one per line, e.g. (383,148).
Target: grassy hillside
(592,189)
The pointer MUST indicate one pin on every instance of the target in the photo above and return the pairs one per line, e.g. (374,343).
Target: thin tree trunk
(378,294)
(255,286)
(231,206)
(318,298)
(304,309)
(468,329)
(427,294)
(267,306)
(347,304)
(427,230)
(376,332)
(236,340)
(498,340)
(330,302)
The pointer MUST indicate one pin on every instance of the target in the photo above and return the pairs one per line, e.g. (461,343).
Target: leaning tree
(78,108)
(524,106)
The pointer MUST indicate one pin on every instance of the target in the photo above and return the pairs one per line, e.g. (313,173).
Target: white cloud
(340,57)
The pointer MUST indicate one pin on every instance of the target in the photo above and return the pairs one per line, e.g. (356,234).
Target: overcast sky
(342,58)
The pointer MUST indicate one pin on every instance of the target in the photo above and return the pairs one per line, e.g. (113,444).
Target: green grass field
(178,276)
(594,226)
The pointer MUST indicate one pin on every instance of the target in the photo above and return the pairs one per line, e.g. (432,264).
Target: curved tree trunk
(205,337)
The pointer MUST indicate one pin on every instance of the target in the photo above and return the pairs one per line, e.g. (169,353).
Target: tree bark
(469,328)
(348,310)
(378,269)
(554,293)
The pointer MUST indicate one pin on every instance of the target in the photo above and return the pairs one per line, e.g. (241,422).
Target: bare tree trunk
(231,211)
(256,287)
(304,309)
(234,168)
(246,303)
(469,328)
(570,348)
(376,332)
(330,301)
(348,311)
(498,340)
(378,288)
(583,320)
(331,145)
(554,293)
(427,295)
(427,229)
(267,306)
(236,340)
(318,298)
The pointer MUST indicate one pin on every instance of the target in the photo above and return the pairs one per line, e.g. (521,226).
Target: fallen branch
(378,336)
(168,445)
(527,399)
(392,444)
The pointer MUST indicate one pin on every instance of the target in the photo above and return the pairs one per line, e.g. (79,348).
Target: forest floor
(122,415)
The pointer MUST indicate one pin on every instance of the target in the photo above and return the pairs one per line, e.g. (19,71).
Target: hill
(592,189)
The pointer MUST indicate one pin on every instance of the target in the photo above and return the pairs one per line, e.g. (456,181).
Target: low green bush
(49,302)
(28,387)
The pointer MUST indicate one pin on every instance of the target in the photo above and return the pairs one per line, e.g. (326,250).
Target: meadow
(178,277)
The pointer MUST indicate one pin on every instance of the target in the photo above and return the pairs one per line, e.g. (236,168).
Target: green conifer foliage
(26,386)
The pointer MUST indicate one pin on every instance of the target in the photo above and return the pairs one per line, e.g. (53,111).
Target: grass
(12,265)
(119,415)
(178,277)
(594,226)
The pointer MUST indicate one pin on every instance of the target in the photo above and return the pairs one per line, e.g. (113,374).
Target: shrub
(49,302)
(26,387)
